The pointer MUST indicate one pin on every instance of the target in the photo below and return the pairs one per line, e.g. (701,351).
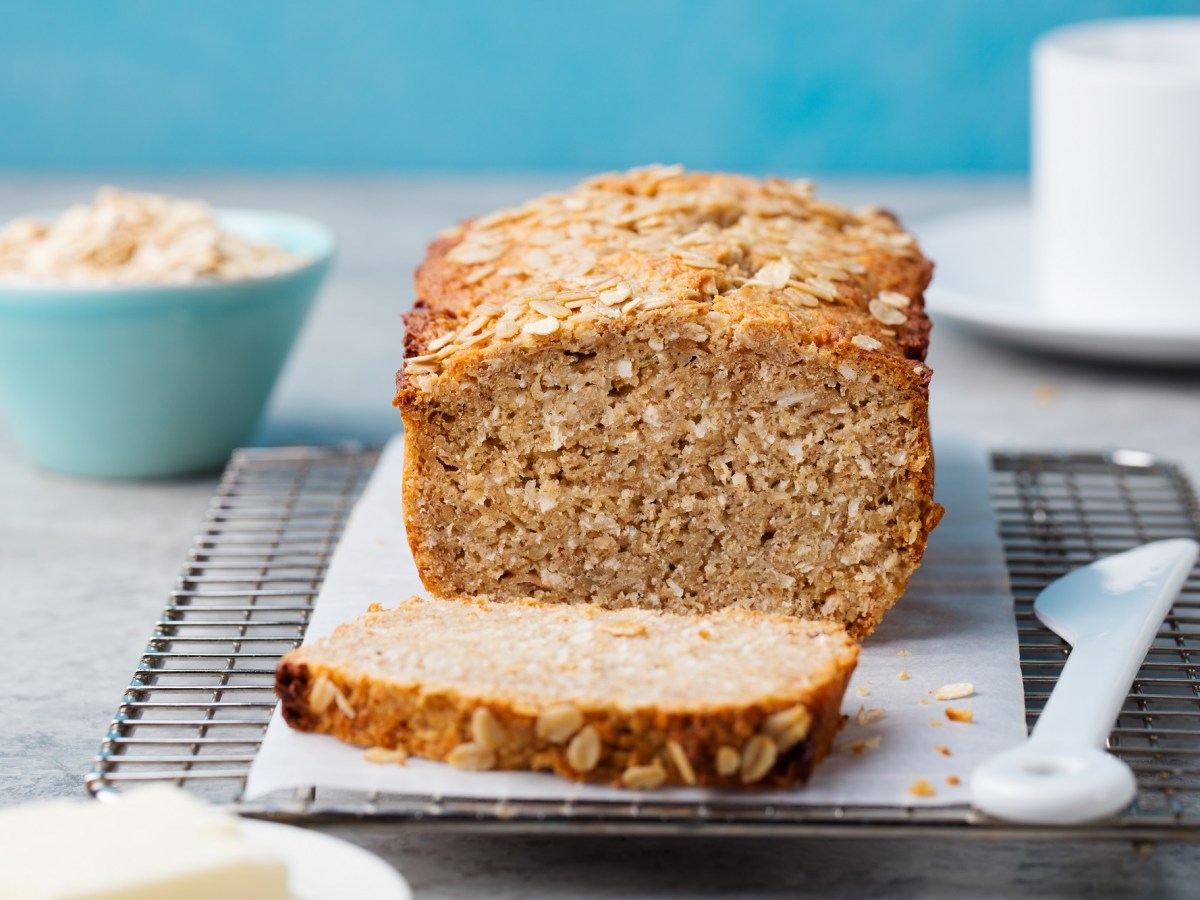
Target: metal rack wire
(198,705)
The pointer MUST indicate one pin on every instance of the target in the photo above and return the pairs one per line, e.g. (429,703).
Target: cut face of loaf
(730,410)
(631,698)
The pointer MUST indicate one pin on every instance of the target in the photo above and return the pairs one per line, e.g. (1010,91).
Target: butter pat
(150,844)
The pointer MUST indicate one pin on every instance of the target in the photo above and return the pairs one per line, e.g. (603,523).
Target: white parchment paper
(955,624)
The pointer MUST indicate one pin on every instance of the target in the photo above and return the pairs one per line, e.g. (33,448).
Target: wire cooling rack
(198,705)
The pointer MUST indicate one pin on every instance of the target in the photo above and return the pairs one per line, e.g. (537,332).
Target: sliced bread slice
(630,697)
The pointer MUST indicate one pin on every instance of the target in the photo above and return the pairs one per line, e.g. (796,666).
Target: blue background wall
(840,86)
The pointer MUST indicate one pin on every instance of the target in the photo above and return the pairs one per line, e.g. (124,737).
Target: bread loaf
(632,698)
(675,391)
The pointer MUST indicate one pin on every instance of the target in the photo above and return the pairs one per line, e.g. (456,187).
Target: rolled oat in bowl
(126,238)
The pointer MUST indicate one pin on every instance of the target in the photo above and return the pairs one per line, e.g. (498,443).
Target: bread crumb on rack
(385,756)
(861,746)
(922,788)
(868,716)
(957,691)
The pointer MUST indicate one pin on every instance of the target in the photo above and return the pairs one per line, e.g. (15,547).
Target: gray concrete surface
(85,566)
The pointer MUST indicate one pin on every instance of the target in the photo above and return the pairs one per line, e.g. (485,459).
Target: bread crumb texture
(675,391)
(922,788)
(525,685)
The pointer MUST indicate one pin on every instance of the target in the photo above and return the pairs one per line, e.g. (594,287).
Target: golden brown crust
(714,245)
(432,720)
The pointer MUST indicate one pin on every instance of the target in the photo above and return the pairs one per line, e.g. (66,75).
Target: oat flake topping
(130,238)
(636,242)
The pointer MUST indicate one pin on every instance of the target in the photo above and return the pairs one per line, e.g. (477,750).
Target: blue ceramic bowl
(154,381)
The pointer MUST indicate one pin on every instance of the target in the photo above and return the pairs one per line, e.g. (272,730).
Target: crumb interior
(591,657)
(661,472)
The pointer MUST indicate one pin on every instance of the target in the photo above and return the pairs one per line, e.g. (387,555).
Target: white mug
(1116,171)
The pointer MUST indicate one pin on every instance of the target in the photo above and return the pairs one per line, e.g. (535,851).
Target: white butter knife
(1109,612)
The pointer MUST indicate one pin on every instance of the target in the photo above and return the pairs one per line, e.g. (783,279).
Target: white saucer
(321,867)
(984,282)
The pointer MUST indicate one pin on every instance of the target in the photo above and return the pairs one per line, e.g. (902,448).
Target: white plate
(321,867)
(984,282)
